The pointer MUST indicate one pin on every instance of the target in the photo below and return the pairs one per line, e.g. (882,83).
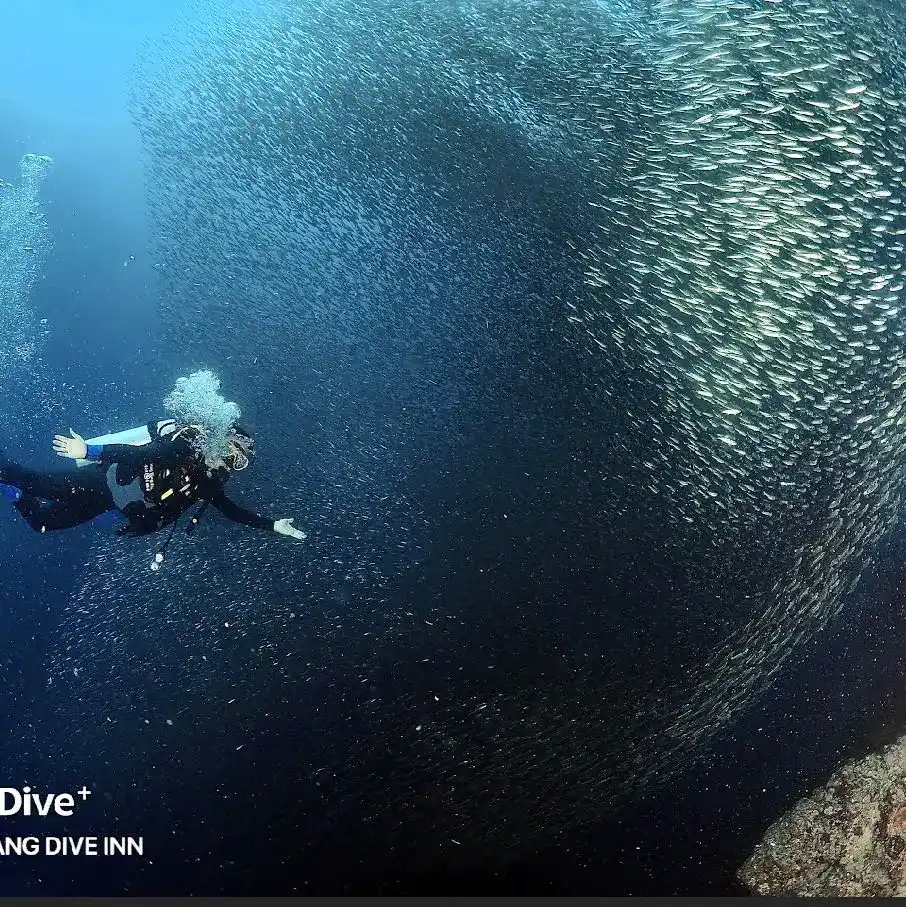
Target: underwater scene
(453,447)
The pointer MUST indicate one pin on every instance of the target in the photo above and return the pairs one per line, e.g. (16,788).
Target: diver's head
(241,450)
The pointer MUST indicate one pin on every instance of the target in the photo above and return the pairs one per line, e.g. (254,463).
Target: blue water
(63,72)
(63,92)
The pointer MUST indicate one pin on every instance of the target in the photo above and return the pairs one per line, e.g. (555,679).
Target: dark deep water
(235,829)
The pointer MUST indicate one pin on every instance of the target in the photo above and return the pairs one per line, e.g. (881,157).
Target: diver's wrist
(93,451)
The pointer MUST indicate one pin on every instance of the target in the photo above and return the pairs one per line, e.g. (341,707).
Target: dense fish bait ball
(765,235)
(727,179)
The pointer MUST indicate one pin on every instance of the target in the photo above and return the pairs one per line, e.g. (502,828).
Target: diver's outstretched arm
(165,452)
(238,514)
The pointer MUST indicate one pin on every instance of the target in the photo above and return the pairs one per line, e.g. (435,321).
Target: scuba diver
(151,480)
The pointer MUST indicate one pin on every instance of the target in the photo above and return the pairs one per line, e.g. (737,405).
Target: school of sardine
(733,176)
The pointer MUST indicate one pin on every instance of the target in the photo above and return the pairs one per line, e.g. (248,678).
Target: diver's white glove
(285,527)
(75,447)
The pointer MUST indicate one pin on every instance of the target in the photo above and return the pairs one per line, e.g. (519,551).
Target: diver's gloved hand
(75,447)
(285,527)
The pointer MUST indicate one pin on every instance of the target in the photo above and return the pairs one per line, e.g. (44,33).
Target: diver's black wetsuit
(152,484)
(60,500)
